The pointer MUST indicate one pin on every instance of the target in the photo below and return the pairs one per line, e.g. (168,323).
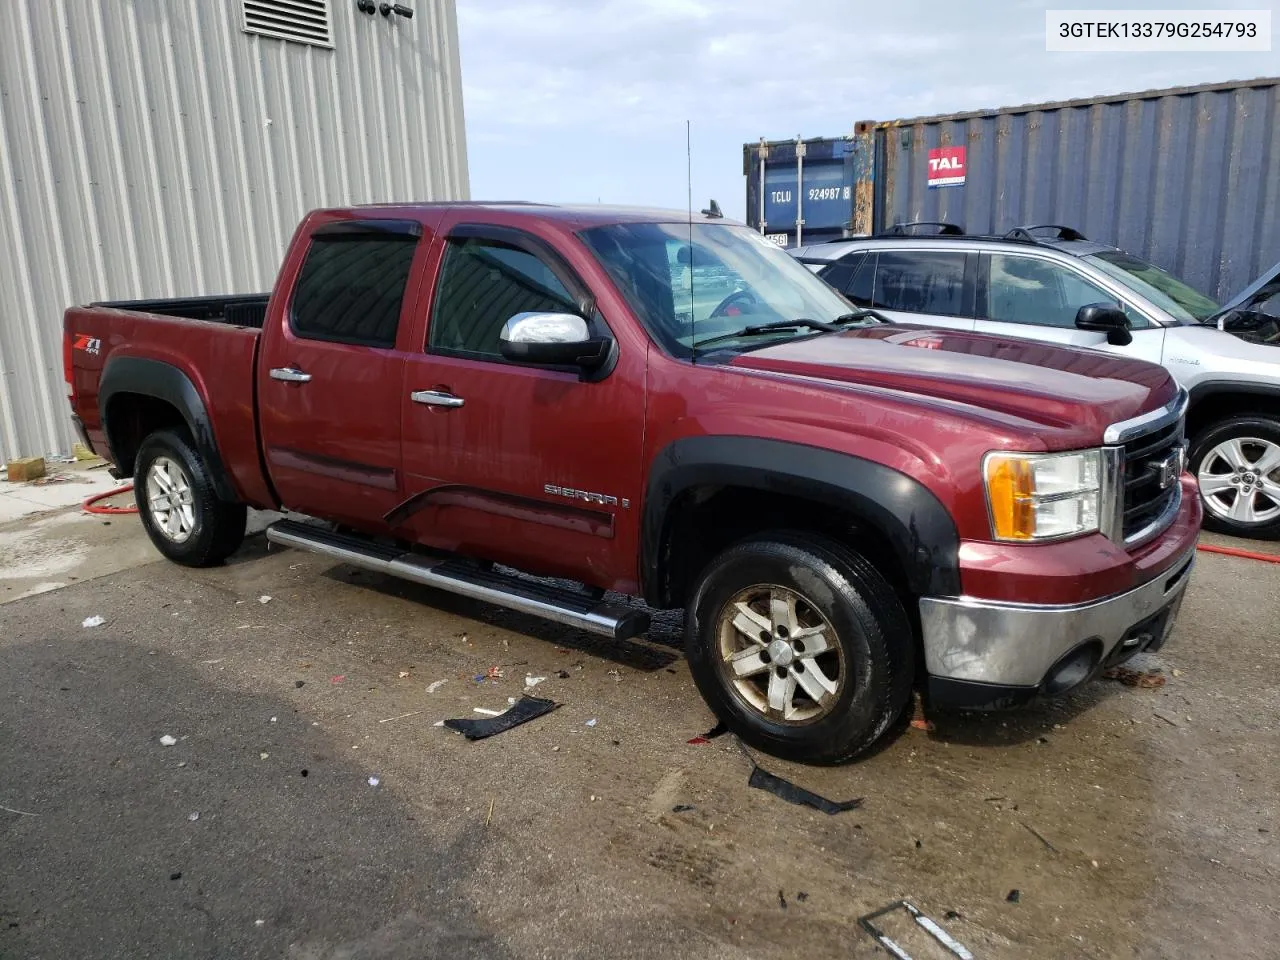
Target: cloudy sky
(586,100)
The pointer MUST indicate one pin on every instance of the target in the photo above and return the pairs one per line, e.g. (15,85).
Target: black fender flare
(1209,388)
(919,528)
(163,381)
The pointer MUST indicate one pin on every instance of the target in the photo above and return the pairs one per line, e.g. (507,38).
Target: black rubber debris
(788,791)
(175,876)
(683,808)
(1014,896)
(802,896)
(526,709)
(299,684)
(782,900)
(952,915)
(562,674)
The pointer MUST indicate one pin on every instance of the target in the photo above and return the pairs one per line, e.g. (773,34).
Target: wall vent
(302,21)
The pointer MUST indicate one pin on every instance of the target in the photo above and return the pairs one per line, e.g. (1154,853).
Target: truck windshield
(728,279)
(1183,303)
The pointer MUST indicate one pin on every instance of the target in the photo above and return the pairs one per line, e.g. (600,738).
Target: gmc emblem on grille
(1170,468)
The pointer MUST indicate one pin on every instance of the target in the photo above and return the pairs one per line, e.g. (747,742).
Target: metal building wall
(1188,178)
(151,148)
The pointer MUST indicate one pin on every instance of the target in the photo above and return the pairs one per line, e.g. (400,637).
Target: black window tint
(483,284)
(921,282)
(859,289)
(1030,290)
(839,273)
(350,289)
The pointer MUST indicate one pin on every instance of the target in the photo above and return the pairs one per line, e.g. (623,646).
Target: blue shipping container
(810,181)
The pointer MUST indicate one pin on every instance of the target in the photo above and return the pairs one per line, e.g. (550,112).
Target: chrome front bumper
(1016,645)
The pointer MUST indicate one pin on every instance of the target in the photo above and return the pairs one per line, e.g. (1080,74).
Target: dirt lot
(1133,822)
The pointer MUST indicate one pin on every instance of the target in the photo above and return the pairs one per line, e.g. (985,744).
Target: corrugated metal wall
(1187,178)
(151,148)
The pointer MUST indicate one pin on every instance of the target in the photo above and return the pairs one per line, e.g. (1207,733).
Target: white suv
(1050,283)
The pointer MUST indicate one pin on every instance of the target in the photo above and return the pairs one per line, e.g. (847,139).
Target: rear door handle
(436,398)
(289,375)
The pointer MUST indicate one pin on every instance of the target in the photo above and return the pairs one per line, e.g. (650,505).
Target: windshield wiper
(862,314)
(803,323)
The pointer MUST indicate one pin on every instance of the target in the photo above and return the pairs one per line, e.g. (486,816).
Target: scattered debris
(435,685)
(718,730)
(93,622)
(920,723)
(438,723)
(531,681)
(762,779)
(193,816)
(58,478)
(802,896)
(683,808)
(263,756)
(1015,896)
(25,468)
(176,875)
(1147,679)
(1038,835)
(592,722)
(526,709)
(616,674)
(273,719)
(939,935)
(305,771)
(1166,718)
(168,741)
(340,678)
(299,684)
(919,844)
(487,712)
(1177,672)
(953,915)
(489,815)
(402,716)
(259,923)
(562,674)
(404,674)
(264,599)
(374,781)
(24,813)
(782,900)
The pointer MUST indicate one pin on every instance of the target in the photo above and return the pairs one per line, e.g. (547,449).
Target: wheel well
(705,520)
(131,418)
(1217,407)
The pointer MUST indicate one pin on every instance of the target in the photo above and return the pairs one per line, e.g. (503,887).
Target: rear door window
(840,273)
(351,288)
(928,282)
(861,286)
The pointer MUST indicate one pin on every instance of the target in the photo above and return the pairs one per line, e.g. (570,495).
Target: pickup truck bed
(246,310)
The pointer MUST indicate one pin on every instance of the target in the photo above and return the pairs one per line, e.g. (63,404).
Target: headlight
(1044,496)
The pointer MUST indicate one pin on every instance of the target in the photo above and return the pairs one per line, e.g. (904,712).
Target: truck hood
(1051,387)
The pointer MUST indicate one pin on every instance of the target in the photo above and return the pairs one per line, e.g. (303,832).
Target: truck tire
(800,647)
(1237,463)
(182,515)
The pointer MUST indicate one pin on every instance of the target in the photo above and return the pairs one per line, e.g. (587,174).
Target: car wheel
(1237,463)
(800,647)
(180,511)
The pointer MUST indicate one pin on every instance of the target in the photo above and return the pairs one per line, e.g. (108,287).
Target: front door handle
(436,398)
(289,375)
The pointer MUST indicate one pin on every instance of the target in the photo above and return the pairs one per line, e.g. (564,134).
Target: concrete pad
(27,499)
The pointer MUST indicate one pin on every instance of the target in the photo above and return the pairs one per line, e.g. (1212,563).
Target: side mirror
(555,339)
(1105,318)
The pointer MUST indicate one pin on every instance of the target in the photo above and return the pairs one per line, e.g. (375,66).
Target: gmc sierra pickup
(493,399)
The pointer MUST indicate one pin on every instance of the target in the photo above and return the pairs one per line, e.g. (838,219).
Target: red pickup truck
(494,399)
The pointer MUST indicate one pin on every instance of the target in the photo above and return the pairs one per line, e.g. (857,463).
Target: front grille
(1145,499)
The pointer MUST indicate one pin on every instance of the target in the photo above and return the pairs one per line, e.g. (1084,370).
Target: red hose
(1243,554)
(91,505)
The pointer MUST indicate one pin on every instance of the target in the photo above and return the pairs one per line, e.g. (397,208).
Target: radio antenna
(688,157)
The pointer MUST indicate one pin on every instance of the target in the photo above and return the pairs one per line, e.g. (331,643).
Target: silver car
(1050,283)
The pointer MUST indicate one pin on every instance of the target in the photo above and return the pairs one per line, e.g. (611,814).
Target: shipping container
(1188,177)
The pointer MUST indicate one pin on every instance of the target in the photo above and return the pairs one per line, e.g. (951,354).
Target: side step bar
(456,576)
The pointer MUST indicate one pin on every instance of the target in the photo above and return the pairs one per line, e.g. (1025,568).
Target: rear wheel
(1237,463)
(800,647)
(180,511)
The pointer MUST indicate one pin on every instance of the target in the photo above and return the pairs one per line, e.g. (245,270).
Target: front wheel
(800,647)
(180,511)
(1237,463)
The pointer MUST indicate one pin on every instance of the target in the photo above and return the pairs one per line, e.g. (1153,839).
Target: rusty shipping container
(1188,177)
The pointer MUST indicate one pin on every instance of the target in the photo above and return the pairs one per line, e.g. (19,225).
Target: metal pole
(764,155)
(800,151)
